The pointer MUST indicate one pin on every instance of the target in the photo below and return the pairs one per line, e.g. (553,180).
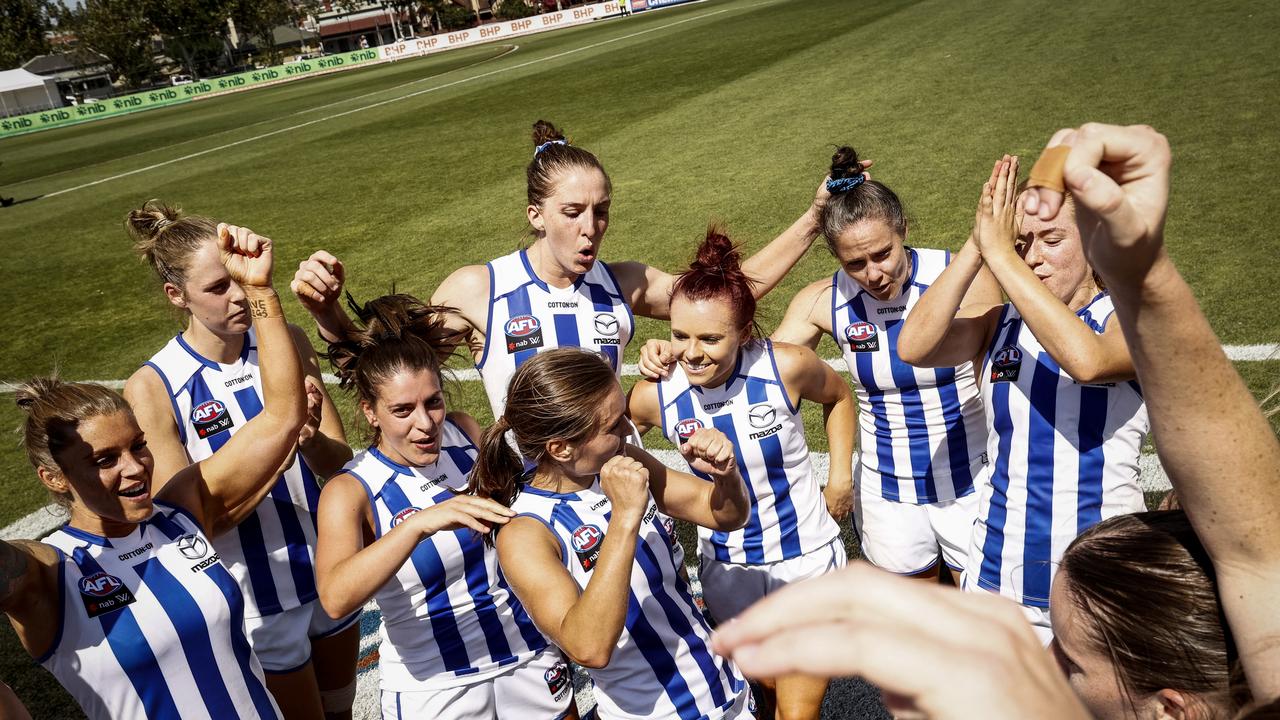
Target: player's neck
(547,269)
(220,349)
(83,519)
(1083,295)
(554,479)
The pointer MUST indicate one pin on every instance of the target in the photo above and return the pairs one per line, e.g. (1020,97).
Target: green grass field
(725,109)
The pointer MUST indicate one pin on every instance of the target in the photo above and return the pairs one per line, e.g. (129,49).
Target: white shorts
(1037,616)
(906,538)
(282,641)
(539,689)
(730,588)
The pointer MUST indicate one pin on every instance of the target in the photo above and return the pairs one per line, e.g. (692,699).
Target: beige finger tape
(1047,172)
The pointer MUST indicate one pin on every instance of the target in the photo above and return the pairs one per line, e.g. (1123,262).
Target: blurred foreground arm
(977,656)
(1219,450)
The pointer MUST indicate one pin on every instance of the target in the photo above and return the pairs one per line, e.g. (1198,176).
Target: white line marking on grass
(162,148)
(1252,353)
(1235,353)
(380,103)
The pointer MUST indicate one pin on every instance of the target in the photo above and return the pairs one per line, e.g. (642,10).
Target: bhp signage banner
(498,31)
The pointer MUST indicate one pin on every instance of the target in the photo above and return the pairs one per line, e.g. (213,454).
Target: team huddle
(223,537)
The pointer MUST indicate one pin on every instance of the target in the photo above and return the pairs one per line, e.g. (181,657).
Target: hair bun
(148,221)
(544,132)
(845,164)
(34,390)
(717,253)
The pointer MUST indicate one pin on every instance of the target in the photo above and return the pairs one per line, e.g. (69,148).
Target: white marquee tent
(24,92)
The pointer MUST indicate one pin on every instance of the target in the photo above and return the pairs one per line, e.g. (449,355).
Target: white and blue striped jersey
(448,617)
(271,553)
(922,431)
(153,626)
(1064,457)
(663,665)
(526,316)
(789,516)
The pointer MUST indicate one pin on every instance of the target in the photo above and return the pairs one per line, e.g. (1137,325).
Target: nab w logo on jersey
(687,427)
(403,515)
(103,593)
(862,337)
(1006,364)
(557,680)
(523,332)
(210,418)
(586,544)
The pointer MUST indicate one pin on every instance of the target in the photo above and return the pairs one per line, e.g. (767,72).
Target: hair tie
(538,150)
(845,184)
(163,223)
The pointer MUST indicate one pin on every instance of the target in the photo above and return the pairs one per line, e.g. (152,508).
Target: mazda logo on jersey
(403,515)
(192,547)
(103,593)
(523,332)
(761,415)
(606,324)
(586,545)
(862,337)
(1006,364)
(210,418)
(687,427)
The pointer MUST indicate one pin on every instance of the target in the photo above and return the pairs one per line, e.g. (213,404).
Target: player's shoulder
(466,279)
(145,384)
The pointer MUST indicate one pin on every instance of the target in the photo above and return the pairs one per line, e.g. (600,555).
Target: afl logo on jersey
(557,680)
(523,333)
(862,337)
(210,418)
(761,415)
(1006,364)
(100,584)
(606,324)
(586,545)
(403,515)
(103,593)
(686,428)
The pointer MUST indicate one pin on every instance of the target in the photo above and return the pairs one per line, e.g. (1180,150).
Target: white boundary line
(1235,353)
(380,103)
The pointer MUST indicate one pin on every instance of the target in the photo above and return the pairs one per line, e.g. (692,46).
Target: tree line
(194,33)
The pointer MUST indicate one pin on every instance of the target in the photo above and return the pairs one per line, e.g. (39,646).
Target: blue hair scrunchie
(845,184)
(545,145)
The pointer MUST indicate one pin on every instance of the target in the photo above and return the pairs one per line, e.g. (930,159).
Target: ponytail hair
(716,273)
(556,394)
(54,410)
(166,239)
(1148,594)
(552,156)
(399,333)
(855,198)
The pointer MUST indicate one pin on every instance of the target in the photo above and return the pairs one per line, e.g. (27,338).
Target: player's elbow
(336,603)
(1087,369)
(593,656)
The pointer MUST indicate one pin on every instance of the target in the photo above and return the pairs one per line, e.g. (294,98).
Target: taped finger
(1047,172)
